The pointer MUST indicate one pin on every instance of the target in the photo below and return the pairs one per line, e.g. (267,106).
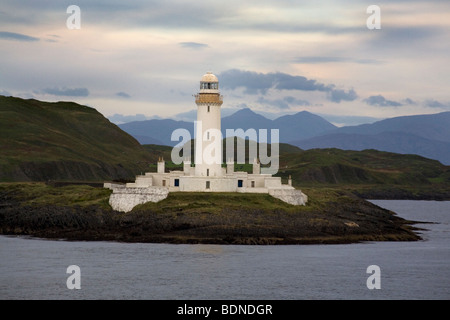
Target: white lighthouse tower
(208,174)
(208,140)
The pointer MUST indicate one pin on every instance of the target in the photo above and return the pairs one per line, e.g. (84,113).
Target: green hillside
(42,141)
(335,166)
(370,173)
(166,151)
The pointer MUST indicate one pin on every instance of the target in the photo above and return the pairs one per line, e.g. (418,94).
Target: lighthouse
(208,137)
(207,175)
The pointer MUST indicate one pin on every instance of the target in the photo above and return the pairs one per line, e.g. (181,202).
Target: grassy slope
(368,166)
(369,173)
(82,213)
(42,140)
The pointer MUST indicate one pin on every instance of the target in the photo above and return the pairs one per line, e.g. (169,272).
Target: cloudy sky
(147,57)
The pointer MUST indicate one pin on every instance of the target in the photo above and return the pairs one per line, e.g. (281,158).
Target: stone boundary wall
(125,199)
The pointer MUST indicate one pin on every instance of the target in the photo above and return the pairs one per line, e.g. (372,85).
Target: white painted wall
(125,199)
(208,152)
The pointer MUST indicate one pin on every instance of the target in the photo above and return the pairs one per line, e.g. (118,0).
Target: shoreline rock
(346,221)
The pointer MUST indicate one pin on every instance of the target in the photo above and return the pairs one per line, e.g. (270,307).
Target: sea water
(37,269)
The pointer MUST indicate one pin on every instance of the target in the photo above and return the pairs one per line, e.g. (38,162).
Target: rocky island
(45,142)
(82,212)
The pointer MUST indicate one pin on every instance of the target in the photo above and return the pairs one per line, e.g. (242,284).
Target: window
(176,182)
(240,183)
(253,184)
(164,183)
(207,135)
(207,172)
(209,108)
(208,184)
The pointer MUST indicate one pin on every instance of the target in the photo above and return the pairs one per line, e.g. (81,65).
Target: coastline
(331,217)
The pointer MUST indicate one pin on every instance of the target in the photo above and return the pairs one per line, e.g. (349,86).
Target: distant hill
(425,135)
(429,126)
(372,174)
(42,141)
(298,126)
(397,142)
(301,125)
(245,119)
(156,131)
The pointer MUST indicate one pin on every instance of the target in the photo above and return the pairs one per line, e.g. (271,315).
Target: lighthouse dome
(209,77)
(209,83)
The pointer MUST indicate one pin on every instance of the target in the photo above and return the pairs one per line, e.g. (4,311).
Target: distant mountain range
(301,125)
(43,141)
(425,135)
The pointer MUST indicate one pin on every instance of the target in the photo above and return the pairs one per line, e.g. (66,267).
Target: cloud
(283,104)
(278,103)
(17,36)
(337,95)
(298,102)
(381,101)
(255,83)
(408,101)
(123,94)
(315,59)
(346,120)
(24,95)
(233,15)
(4,93)
(75,92)
(193,45)
(120,118)
(437,104)
(283,81)
(406,35)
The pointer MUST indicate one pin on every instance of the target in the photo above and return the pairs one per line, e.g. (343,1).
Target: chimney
(161,165)
(187,166)
(230,166)
(256,166)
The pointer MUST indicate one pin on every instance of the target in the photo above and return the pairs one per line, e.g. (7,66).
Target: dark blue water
(36,269)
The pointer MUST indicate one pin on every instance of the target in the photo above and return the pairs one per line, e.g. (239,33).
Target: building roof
(209,77)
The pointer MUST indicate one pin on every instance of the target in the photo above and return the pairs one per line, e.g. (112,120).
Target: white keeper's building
(207,174)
